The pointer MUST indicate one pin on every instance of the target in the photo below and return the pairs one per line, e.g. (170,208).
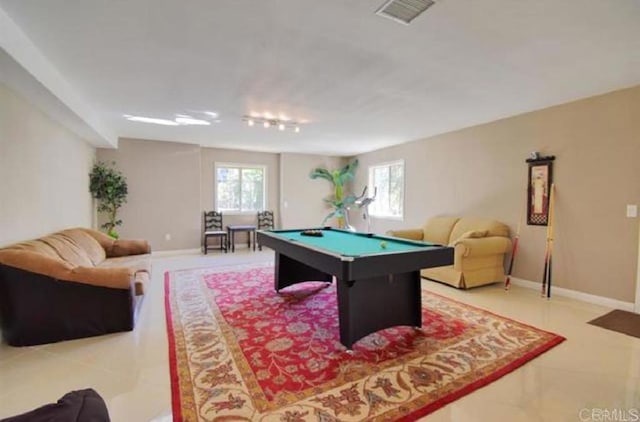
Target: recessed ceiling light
(191,121)
(151,120)
(180,120)
(212,114)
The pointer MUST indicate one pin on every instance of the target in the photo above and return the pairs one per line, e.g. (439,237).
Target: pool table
(378,277)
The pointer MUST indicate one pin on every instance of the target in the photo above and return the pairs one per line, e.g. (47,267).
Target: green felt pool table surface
(353,244)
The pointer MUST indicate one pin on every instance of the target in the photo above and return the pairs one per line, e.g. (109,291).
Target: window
(388,180)
(239,188)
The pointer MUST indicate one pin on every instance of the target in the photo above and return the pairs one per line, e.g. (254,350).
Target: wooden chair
(213,228)
(265,222)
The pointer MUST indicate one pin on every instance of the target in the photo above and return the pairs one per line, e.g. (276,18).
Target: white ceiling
(361,81)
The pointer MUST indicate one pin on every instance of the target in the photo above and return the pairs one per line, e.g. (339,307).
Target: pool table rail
(350,267)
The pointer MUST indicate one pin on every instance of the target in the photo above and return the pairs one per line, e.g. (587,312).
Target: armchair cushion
(473,234)
(465,224)
(413,234)
(438,230)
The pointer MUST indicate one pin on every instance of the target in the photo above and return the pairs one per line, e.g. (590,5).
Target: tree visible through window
(239,188)
(388,179)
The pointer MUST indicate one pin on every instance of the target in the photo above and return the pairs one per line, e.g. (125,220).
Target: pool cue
(514,251)
(552,225)
(546,277)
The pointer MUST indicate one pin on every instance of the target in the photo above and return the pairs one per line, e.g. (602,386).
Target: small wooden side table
(251,233)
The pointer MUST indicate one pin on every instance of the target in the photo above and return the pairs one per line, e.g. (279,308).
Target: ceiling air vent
(404,11)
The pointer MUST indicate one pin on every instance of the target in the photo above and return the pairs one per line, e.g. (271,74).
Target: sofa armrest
(413,234)
(124,247)
(493,245)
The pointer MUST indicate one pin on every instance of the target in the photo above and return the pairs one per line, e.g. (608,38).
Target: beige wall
(209,156)
(302,204)
(170,184)
(481,171)
(164,192)
(44,168)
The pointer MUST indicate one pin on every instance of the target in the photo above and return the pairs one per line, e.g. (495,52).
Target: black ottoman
(76,406)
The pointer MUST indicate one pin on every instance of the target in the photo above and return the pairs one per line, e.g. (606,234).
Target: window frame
(241,166)
(404,187)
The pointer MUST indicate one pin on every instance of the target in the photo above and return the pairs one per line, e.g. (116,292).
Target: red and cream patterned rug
(240,351)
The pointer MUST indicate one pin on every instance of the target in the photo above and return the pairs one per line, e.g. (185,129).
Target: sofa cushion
(37,246)
(105,241)
(87,243)
(438,229)
(134,262)
(68,250)
(139,264)
(126,247)
(117,278)
(120,247)
(466,224)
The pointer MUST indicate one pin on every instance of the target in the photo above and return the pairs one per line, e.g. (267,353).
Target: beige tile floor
(595,370)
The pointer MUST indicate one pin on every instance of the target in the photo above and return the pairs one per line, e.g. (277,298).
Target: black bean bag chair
(76,406)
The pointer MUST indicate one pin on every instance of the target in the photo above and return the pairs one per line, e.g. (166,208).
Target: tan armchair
(480,247)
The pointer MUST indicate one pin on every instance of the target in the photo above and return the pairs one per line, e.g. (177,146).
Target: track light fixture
(270,121)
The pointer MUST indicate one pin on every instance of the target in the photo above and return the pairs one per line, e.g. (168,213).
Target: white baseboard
(574,294)
(196,251)
(177,252)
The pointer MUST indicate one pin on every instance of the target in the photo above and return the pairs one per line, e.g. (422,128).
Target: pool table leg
(289,271)
(372,304)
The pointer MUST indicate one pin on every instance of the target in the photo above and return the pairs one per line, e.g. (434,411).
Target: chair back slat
(212,220)
(265,220)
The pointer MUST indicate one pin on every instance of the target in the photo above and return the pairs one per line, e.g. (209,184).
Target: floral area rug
(240,351)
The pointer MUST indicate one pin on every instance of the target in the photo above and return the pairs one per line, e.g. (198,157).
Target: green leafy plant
(109,187)
(338,201)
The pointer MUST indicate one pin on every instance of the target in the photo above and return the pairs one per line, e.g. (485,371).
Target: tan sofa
(480,248)
(70,284)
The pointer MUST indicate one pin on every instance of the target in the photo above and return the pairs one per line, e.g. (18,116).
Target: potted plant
(109,187)
(338,201)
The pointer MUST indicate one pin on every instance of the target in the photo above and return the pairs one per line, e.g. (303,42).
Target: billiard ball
(383,244)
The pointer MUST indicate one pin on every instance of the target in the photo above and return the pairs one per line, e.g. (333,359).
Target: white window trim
(404,188)
(217,165)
